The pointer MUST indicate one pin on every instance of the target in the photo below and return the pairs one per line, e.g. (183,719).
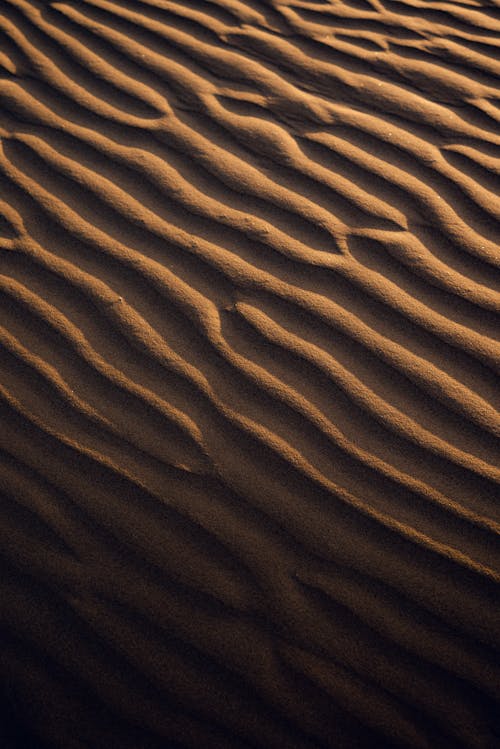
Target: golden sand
(249,295)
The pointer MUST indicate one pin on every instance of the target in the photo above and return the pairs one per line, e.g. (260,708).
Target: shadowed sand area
(249,354)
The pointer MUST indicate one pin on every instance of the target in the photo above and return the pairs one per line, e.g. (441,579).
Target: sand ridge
(249,295)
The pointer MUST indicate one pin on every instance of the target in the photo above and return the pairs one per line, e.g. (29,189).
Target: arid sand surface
(249,355)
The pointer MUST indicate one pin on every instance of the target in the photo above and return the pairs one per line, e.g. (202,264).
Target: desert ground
(249,356)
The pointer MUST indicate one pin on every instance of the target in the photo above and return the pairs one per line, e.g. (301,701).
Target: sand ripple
(249,461)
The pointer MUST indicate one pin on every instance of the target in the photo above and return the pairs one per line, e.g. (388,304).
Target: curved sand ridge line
(249,277)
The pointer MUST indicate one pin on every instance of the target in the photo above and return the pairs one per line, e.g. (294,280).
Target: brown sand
(248,374)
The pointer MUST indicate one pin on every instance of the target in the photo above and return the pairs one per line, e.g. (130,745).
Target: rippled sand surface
(249,355)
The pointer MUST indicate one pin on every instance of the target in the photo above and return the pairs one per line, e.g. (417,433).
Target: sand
(249,295)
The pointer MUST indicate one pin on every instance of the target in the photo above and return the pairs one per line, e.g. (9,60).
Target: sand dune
(249,295)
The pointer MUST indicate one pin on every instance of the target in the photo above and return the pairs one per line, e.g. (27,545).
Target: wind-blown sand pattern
(249,457)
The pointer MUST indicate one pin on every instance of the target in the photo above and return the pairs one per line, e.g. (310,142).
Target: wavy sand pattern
(249,460)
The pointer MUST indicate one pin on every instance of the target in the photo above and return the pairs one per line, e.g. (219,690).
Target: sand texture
(249,354)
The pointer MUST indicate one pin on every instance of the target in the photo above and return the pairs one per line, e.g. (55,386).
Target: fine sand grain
(249,354)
